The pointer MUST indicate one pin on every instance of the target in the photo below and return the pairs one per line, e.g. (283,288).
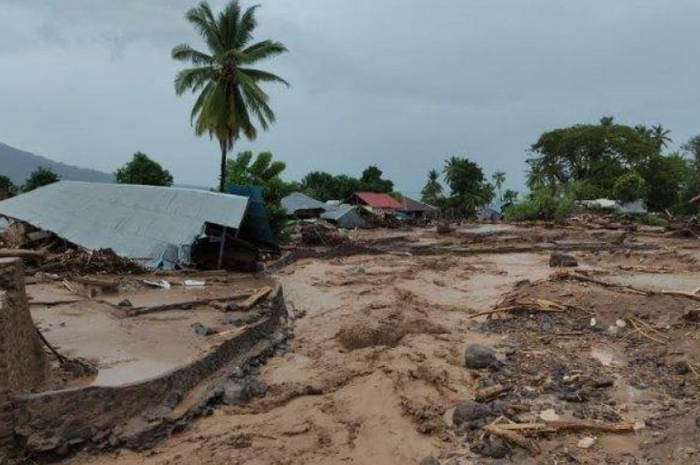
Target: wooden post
(221,248)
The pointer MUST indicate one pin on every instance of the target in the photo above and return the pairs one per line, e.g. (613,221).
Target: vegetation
(263,172)
(629,187)
(325,186)
(40,177)
(230,99)
(432,191)
(142,170)
(469,189)
(7,186)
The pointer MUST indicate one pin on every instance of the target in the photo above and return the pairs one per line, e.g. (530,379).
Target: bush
(542,204)
(629,187)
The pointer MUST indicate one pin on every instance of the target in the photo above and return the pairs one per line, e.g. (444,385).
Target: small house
(380,204)
(302,206)
(416,210)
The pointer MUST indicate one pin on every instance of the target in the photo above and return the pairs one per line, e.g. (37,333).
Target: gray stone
(479,357)
(201,330)
(257,388)
(469,410)
(430,460)
(561,259)
(235,393)
(603,382)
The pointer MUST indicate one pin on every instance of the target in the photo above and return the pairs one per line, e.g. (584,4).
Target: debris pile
(321,233)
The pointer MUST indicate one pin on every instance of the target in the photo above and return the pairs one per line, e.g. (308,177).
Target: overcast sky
(403,84)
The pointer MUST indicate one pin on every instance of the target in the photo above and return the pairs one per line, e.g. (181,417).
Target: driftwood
(689,295)
(537,305)
(253,300)
(181,305)
(513,438)
(491,392)
(23,253)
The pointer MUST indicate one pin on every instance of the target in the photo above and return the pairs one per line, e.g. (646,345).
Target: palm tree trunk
(222,176)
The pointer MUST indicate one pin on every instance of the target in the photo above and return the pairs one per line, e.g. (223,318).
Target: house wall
(23,364)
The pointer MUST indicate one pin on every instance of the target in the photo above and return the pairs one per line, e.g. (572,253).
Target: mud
(375,367)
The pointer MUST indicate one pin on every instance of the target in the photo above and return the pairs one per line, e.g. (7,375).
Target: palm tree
(432,191)
(660,135)
(499,177)
(229,95)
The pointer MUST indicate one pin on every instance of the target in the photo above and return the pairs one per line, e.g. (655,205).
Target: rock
(235,393)
(257,388)
(587,442)
(681,368)
(580,396)
(496,448)
(125,303)
(469,410)
(430,460)
(697,422)
(201,330)
(561,259)
(479,357)
(549,415)
(603,382)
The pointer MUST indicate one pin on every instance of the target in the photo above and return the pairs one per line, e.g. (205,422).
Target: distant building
(416,210)
(346,216)
(302,206)
(493,212)
(378,203)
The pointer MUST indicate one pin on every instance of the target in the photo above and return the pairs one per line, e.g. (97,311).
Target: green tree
(629,187)
(142,170)
(7,186)
(432,191)
(263,172)
(371,181)
(510,196)
(324,186)
(40,177)
(499,178)
(660,136)
(597,153)
(230,98)
(468,186)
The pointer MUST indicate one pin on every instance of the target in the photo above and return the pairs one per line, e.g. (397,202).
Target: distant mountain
(18,165)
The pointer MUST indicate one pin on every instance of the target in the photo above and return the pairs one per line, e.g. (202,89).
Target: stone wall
(52,421)
(23,364)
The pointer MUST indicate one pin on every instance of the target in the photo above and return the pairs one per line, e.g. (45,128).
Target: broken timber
(183,305)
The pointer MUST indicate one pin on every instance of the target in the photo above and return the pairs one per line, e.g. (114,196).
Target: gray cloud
(401,83)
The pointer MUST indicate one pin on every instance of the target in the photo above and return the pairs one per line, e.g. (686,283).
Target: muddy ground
(376,365)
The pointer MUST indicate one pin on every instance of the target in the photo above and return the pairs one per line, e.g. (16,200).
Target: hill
(18,164)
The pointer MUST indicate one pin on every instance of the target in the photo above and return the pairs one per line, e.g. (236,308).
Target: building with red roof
(379,203)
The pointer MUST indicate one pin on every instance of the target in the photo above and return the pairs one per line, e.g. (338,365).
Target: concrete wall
(50,421)
(23,364)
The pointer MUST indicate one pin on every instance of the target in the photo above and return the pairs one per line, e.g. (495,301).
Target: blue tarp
(256,225)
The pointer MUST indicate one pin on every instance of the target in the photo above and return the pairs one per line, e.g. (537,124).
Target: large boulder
(479,357)
(562,260)
(468,411)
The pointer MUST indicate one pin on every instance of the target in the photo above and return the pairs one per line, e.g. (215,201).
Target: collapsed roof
(298,202)
(151,225)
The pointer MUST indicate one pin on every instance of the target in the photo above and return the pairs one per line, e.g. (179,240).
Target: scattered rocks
(468,411)
(562,260)
(430,460)
(201,330)
(587,442)
(681,368)
(479,357)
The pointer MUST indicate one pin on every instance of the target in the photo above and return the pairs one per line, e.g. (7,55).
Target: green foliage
(263,172)
(670,183)
(40,177)
(510,196)
(325,186)
(468,187)
(543,204)
(651,219)
(597,153)
(432,191)
(7,186)
(629,187)
(371,181)
(229,98)
(499,178)
(142,170)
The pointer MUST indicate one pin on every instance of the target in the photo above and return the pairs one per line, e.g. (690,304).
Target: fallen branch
(181,305)
(538,305)
(590,426)
(23,253)
(253,300)
(689,295)
(514,438)
(648,336)
(586,279)
(486,394)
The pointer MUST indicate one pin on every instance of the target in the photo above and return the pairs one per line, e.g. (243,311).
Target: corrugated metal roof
(143,223)
(411,205)
(297,201)
(346,216)
(378,200)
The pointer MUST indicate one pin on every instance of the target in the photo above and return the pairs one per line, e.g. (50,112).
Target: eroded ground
(377,362)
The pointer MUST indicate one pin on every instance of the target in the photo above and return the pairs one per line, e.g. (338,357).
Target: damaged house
(157,227)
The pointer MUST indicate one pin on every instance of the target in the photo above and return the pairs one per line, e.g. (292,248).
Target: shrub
(629,187)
